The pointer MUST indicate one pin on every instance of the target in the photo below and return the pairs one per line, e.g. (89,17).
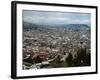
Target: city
(56,46)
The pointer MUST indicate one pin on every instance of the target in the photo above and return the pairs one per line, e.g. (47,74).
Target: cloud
(44,17)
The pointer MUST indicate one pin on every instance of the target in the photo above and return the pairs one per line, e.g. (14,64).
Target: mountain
(30,26)
(77,26)
(44,27)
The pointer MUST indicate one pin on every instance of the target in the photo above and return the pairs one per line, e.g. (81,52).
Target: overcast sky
(44,17)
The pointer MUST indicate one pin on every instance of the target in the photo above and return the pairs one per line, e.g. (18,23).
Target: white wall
(5,37)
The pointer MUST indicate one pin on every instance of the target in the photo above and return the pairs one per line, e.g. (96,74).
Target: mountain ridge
(31,26)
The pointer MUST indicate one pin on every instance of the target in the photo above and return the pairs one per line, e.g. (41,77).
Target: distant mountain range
(31,26)
(76,26)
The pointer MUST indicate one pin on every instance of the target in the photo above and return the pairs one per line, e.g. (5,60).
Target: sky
(51,17)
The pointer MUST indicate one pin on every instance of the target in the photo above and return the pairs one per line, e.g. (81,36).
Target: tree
(82,59)
(69,60)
